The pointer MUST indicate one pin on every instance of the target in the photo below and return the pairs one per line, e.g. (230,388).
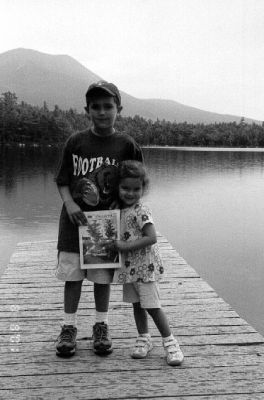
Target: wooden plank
(69,394)
(122,384)
(25,344)
(212,351)
(203,335)
(190,326)
(188,305)
(115,296)
(26,364)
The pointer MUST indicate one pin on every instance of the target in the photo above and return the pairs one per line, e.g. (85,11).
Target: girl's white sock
(70,319)
(166,339)
(101,317)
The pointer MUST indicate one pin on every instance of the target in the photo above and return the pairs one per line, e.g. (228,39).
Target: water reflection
(179,162)
(20,162)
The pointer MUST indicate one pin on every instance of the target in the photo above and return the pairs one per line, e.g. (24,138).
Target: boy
(86,181)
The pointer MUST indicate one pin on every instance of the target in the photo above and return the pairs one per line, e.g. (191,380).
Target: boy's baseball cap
(107,87)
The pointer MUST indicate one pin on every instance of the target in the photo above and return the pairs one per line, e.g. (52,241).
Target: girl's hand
(75,214)
(116,245)
(109,245)
(122,246)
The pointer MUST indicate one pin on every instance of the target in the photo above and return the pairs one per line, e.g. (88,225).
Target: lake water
(208,203)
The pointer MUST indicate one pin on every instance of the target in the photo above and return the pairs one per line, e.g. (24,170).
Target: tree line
(24,123)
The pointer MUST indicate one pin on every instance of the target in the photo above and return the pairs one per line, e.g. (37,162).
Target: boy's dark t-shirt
(89,167)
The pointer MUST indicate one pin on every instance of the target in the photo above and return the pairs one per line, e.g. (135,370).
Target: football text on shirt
(84,165)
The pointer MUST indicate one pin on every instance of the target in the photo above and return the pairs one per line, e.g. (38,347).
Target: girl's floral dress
(142,265)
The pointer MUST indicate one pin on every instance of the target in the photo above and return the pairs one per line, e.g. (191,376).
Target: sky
(207,54)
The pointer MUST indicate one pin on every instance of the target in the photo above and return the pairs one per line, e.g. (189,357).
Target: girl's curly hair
(133,169)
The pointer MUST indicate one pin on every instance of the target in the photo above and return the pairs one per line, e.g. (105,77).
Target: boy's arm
(137,153)
(149,238)
(75,213)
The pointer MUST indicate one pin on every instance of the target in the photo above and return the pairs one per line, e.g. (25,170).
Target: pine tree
(110,231)
(94,230)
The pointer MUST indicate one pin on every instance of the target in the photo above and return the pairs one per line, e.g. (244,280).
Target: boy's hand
(75,214)
(114,205)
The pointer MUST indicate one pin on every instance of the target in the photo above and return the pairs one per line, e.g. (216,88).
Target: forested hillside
(24,123)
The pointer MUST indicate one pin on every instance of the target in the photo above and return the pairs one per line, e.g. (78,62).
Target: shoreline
(165,147)
(200,148)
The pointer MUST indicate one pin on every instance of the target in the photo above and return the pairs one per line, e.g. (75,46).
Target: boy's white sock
(101,317)
(70,319)
(147,335)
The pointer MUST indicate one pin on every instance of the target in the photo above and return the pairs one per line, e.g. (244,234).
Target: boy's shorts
(68,269)
(145,293)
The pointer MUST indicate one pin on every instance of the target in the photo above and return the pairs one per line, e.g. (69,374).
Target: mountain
(36,77)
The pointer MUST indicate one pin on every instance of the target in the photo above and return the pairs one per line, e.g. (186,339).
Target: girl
(141,263)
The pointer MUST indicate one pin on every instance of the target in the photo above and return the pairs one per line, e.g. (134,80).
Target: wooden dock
(224,356)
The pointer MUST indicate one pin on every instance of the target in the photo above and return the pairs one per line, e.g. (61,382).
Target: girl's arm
(149,238)
(75,214)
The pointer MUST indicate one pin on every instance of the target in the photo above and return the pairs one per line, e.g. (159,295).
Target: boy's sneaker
(142,347)
(102,343)
(174,355)
(66,341)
